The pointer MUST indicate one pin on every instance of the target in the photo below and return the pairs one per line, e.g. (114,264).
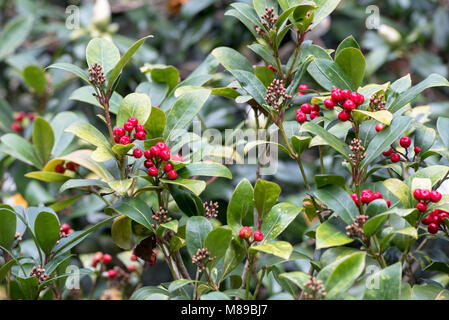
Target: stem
(196,285)
(248,277)
(380,256)
(259,283)
(320,149)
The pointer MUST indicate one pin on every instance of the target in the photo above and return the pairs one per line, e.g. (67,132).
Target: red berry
(306,108)
(168,167)
(345,93)
(107,258)
(258,236)
(137,153)
(60,168)
(417,194)
(355,198)
(329,103)
(349,105)
(405,142)
(128,126)
(31,116)
(357,98)
(427,220)
(132,268)
(425,195)
(316,108)
(344,116)
(65,228)
(388,203)
(125,140)
(172,174)
(133,257)
(395,157)
(152,171)
(367,191)
(366,197)
(336,96)
(147,154)
(272,68)
(161,146)
(301,117)
(303,87)
(15,126)
(435,196)
(116,139)
(417,149)
(441,216)
(432,228)
(119,132)
(388,153)
(140,127)
(165,155)
(421,206)
(155,151)
(245,233)
(133,120)
(314,114)
(112,274)
(377,195)
(379,127)
(177,157)
(19,117)
(140,135)
(148,164)
(72,166)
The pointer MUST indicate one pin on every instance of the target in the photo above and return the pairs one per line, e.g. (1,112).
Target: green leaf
(264,74)
(280,249)
(72,69)
(155,124)
(124,60)
(234,255)
(34,77)
(20,149)
(246,14)
(266,194)
(62,139)
(425,136)
(13,34)
(165,74)
(46,229)
(43,139)
(374,224)
(232,59)
(184,110)
(325,8)
(120,150)
(399,189)
(433,80)
(240,205)
(196,186)
(329,74)
(29,286)
(102,52)
(353,63)
(298,278)
(278,219)
(121,186)
(80,183)
(251,84)
(383,140)
(348,42)
(84,159)
(217,242)
(47,176)
(434,173)
(60,205)
(187,202)
(385,284)
(150,293)
(135,209)
(328,235)
(84,94)
(137,105)
(8,222)
(323,180)
(383,116)
(340,275)
(121,232)
(208,169)
(442,125)
(197,229)
(429,292)
(338,200)
(300,143)
(332,140)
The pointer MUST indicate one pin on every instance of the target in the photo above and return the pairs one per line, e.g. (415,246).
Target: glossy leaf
(121,232)
(197,229)
(280,249)
(46,229)
(266,194)
(103,52)
(137,105)
(339,201)
(278,219)
(385,284)
(43,139)
(34,77)
(207,169)
(329,74)
(332,140)
(217,242)
(328,235)
(240,205)
(8,223)
(21,149)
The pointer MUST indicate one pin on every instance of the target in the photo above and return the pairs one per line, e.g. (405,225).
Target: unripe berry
(344,116)
(132,268)
(395,157)
(60,168)
(133,120)
(168,167)
(432,228)
(165,155)
(258,236)
(172,175)
(405,142)
(125,140)
(349,105)
(328,103)
(155,151)
(107,258)
(314,114)
(417,149)
(245,233)
(152,171)
(137,153)
(345,93)
(379,127)
(421,206)
(128,126)
(177,157)
(388,153)
(119,132)
(301,117)
(147,154)
(140,135)
(15,126)
(435,196)
(112,274)
(306,108)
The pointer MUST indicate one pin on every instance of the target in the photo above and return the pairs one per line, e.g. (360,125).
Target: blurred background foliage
(411,37)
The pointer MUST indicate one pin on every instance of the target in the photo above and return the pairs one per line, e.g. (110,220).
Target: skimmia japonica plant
(375,202)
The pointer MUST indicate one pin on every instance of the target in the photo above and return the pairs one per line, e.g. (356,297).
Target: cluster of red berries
(61,168)
(101,257)
(367,196)
(65,230)
(434,220)
(346,99)
(158,154)
(123,135)
(424,197)
(18,120)
(301,88)
(405,142)
(307,109)
(246,232)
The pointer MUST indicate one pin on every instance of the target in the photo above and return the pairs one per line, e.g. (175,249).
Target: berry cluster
(17,125)
(124,135)
(210,209)
(62,167)
(119,275)
(367,196)
(301,88)
(246,232)
(276,94)
(435,220)
(307,109)
(65,230)
(395,156)
(346,99)
(157,157)
(96,75)
(202,258)
(268,20)
(161,216)
(39,273)
(101,257)
(424,197)
(355,230)
(315,288)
